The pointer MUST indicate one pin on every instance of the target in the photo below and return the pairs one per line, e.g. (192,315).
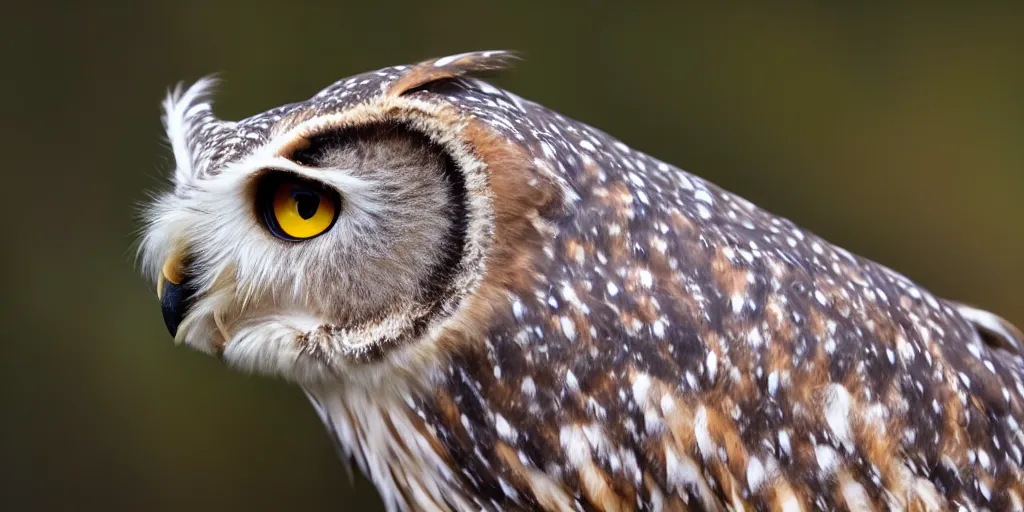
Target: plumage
(516,310)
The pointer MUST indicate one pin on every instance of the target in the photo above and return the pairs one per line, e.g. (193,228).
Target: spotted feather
(619,334)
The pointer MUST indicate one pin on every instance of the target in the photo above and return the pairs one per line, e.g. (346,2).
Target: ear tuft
(450,67)
(184,111)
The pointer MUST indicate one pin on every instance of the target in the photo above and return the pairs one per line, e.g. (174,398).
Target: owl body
(580,326)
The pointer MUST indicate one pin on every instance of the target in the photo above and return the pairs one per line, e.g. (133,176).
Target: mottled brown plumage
(608,333)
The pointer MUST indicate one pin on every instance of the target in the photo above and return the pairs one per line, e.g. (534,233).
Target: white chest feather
(383,436)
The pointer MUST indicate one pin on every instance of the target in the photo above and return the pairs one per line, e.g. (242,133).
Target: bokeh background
(895,132)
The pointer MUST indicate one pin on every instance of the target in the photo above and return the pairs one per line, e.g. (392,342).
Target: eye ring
(294,208)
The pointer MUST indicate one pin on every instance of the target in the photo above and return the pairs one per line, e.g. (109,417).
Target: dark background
(895,132)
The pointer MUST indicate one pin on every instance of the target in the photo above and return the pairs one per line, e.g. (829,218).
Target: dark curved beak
(175,294)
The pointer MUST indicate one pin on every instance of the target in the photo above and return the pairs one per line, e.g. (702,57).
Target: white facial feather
(263,303)
(285,281)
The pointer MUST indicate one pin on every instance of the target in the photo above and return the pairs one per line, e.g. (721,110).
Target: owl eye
(295,208)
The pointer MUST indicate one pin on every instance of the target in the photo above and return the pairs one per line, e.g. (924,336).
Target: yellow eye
(295,208)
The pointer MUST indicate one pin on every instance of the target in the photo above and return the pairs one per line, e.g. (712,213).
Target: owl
(494,307)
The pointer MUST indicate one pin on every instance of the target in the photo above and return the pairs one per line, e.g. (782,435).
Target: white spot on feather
(755,474)
(984,459)
(985,491)
(646,279)
(570,381)
(658,328)
(905,349)
(668,405)
(575,445)
(700,432)
(517,309)
(826,457)
(641,384)
(703,212)
(504,429)
(974,350)
(837,413)
(528,387)
(612,289)
(568,327)
(784,445)
(791,504)
(712,364)
(754,338)
(737,303)
(680,473)
(855,496)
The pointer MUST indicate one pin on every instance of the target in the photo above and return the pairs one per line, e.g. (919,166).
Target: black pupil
(306,202)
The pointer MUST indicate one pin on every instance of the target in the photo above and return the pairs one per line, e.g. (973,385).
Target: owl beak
(174,293)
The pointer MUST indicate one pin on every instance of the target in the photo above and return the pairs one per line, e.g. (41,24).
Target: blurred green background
(895,132)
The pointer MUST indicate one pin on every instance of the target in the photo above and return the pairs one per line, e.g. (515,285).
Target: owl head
(364,231)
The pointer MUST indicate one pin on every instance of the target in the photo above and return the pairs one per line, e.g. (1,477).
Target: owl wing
(662,343)
(681,345)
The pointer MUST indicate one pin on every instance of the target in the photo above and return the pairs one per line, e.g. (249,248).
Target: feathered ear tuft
(185,110)
(450,67)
